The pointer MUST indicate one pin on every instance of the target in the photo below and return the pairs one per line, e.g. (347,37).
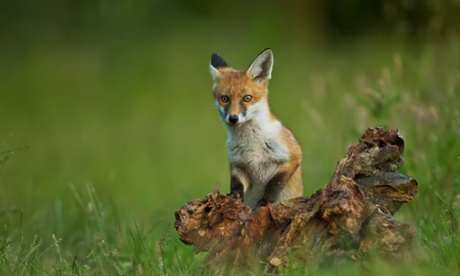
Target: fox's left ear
(216,63)
(261,67)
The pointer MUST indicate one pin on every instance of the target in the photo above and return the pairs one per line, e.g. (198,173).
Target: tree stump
(350,217)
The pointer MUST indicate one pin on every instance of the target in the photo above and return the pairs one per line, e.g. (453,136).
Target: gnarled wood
(349,217)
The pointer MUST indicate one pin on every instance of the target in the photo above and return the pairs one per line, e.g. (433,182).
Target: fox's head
(240,95)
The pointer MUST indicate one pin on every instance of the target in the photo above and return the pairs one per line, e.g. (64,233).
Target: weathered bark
(349,217)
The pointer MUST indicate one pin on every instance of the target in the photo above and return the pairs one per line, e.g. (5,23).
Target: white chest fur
(257,148)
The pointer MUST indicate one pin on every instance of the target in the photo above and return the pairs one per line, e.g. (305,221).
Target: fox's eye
(224,99)
(247,98)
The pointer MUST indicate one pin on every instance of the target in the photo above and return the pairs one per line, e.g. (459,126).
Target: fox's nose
(233,119)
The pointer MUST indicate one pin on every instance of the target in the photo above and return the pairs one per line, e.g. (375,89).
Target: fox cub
(264,155)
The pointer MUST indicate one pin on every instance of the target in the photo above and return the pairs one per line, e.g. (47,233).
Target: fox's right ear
(216,63)
(261,68)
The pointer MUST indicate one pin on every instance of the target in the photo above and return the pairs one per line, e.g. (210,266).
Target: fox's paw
(236,195)
(261,203)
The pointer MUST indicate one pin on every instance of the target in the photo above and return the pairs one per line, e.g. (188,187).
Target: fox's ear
(216,63)
(261,67)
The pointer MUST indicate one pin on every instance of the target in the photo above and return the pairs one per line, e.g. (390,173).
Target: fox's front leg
(277,184)
(239,182)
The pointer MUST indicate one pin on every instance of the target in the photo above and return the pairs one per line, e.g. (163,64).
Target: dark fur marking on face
(243,110)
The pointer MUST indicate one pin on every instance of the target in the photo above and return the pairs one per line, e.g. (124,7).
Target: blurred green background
(116,96)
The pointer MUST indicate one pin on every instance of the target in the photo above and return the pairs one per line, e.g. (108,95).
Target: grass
(104,141)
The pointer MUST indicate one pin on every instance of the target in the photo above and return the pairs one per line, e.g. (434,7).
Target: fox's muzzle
(233,119)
